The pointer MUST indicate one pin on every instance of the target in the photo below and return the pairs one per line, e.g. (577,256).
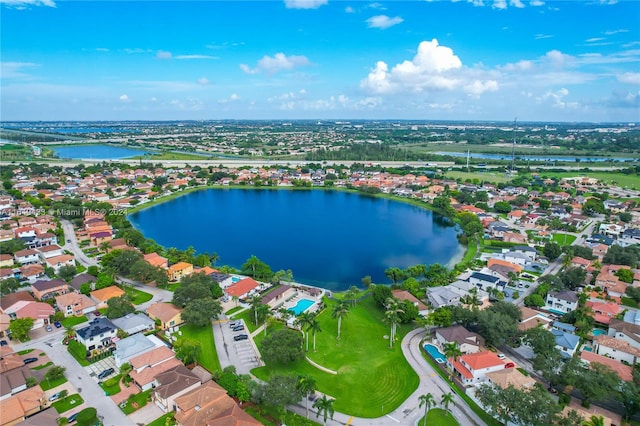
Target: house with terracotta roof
(154,259)
(617,349)
(472,369)
(580,262)
(530,318)
(101,296)
(97,238)
(26,256)
(624,372)
(14,301)
(467,341)
(32,273)
(242,288)
(9,360)
(510,265)
(626,331)
(209,405)
(150,364)
(404,295)
(57,262)
(49,251)
(167,313)
(172,384)
(603,311)
(22,405)
(45,289)
(39,311)
(75,304)
(179,270)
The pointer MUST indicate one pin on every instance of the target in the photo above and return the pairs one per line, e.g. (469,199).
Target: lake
(330,239)
(96,152)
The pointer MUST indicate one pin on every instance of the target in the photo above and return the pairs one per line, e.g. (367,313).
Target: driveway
(80,379)
(242,354)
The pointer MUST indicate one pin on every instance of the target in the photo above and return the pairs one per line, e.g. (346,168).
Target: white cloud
(557,58)
(629,77)
(20,4)
(383,21)
(536,3)
(279,62)
(517,3)
(203,81)
(477,88)
(124,98)
(136,50)
(499,4)
(518,66)
(541,36)
(102,49)
(594,39)
(613,32)
(234,97)
(349,9)
(14,69)
(161,54)
(304,4)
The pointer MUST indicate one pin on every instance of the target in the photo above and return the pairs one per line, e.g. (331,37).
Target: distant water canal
(327,238)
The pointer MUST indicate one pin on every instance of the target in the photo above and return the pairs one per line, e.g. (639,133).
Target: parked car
(501,356)
(105,373)
(238,328)
(57,324)
(234,324)
(48,328)
(30,360)
(54,396)
(241,337)
(96,313)
(72,418)
(3,343)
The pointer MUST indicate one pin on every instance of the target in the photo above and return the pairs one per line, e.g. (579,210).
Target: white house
(617,349)
(99,332)
(472,369)
(563,301)
(26,256)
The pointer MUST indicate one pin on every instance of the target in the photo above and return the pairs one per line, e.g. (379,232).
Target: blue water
(550,158)
(557,312)
(330,239)
(96,152)
(235,279)
(301,306)
(598,332)
(435,353)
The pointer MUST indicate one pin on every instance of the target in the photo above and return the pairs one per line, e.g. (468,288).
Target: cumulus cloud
(536,3)
(629,78)
(499,4)
(557,58)
(22,4)
(517,3)
(304,4)
(124,98)
(383,21)
(234,97)
(203,81)
(279,62)
(162,54)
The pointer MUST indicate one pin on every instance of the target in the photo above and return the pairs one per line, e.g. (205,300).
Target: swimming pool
(235,279)
(435,353)
(301,306)
(598,332)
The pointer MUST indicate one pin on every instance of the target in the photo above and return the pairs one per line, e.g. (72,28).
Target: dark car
(105,373)
(241,337)
(3,343)
(72,418)
(238,328)
(234,324)
(57,324)
(30,360)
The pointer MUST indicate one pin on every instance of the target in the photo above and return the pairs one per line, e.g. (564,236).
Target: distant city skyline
(555,61)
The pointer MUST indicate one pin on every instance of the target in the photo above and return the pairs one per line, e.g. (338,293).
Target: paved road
(159,295)
(72,245)
(79,378)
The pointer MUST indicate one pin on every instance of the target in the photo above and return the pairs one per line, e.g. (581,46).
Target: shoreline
(451,264)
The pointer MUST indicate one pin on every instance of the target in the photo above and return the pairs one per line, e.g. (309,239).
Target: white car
(501,356)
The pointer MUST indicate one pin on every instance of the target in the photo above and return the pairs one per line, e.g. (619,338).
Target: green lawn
(73,321)
(111,386)
(137,296)
(40,367)
(439,417)
(233,310)
(372,379)
(46,385)
(208,357)
(26,351)
(563,239)
(140,399)
(629,181)
(162,420)
(265,416)
(494,177)
(67,403)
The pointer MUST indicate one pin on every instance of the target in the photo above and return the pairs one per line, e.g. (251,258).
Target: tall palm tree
(285,314)
(594,421)
(303,320)
(214,257)
(306,385)
(324,405)
(262,313)
(428,401)
(69,332)
(352,294)
(314,327)
(339,311)
(255,301)
(235,299)
(392,316)
(451,350)
(447,399)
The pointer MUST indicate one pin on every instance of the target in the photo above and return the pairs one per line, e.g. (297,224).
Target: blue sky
(321,59)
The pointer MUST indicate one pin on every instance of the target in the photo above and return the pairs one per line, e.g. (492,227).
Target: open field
(488,176)
(372,379)
(621,179)
(170,156)
(208,357)
(439,417)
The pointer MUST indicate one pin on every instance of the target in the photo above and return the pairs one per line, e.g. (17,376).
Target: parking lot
(242,353)
(99,366)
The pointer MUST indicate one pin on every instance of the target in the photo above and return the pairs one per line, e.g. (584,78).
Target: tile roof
(107,293)
(623,371)
(480,360)
(10,299)
(511,376)
(36,310)
(164,311)
(44,285)
(175,380)
(242,287)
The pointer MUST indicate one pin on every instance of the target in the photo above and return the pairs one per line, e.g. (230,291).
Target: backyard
(372,379)
(208,357)
(66,404)
(137,296)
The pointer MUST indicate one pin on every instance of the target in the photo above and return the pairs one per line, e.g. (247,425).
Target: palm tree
(428,401)
(391,315)
(255,301)
(352,294)
(270,321)
(594,421)
(214,257)
(314,327)
(324,405)
(340,310)
(285,314)
(262,313)
(307,385)
(451,350)
(104,246)
(69,332)
(303,320)
(447,399)
(235,299)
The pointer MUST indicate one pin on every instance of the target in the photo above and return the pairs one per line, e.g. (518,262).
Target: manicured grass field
(439,417)
(494,177)
(208,357)
(112,385)
(629,181)
(248,320)
(563,239)
(372,379)
(137,296)
(73,321)
(26,351)
(67,403)
(233,310)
